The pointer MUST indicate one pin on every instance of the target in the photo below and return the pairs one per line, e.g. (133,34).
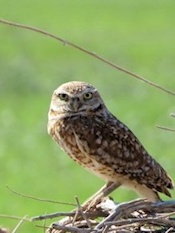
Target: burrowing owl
(84,128)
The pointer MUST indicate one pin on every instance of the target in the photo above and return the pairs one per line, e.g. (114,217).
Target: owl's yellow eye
(63,96)
(88,96)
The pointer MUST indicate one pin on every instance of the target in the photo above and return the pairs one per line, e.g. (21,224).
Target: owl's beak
(75,104)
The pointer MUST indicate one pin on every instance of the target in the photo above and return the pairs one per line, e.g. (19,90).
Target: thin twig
(165,128)
(19,224)
(171,229)
(83,214)
(54,215)
(148,220)
(43,227)
(92,54)
(167,215)
(39,199)
(71,229)
(14,217)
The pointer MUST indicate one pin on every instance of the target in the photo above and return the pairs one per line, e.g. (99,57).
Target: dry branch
(86,51)
(39,199)
(108,216)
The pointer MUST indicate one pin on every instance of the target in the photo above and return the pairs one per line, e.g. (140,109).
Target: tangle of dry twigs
(136,216)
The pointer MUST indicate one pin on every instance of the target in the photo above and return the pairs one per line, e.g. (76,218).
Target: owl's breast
(78,149)
(64,135)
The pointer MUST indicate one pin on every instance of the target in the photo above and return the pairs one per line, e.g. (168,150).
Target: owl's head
(75,97)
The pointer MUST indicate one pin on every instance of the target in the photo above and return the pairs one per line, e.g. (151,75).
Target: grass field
(138,35)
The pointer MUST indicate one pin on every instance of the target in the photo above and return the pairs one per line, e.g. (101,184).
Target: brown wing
(111,143)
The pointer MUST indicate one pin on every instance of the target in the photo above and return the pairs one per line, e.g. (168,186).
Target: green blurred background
(138,35)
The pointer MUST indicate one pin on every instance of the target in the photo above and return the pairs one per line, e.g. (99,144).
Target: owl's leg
(96,198)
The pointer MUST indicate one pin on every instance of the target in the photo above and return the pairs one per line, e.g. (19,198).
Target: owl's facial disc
(81,102)
(76,97)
